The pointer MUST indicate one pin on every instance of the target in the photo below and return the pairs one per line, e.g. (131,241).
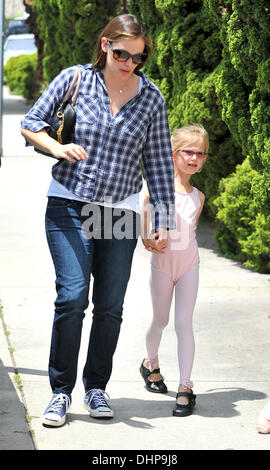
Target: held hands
(70,152)
(157,242)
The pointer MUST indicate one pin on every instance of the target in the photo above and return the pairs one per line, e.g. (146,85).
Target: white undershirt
(56,189)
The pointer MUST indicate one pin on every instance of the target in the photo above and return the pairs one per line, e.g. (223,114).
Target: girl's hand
(153,244)
(70,152)
(162,239)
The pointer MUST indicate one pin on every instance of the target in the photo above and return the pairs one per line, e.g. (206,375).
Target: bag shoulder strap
(76,79)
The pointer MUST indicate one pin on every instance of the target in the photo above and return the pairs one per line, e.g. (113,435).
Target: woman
(121,124)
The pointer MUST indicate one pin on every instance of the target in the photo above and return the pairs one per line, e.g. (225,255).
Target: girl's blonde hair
(187,134)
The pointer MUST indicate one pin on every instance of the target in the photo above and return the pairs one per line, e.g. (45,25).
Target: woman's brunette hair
(122,27)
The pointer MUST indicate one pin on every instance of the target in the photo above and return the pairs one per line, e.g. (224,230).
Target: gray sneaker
(95,401)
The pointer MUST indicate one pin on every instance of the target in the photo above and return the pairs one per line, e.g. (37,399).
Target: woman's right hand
(70,152)
(41,139)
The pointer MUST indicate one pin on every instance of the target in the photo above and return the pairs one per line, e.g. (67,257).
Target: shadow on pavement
(216,403)
(23,370)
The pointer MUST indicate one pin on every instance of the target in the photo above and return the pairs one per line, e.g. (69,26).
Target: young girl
(176,268)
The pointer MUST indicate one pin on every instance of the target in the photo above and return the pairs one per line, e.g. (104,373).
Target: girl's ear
(173,155)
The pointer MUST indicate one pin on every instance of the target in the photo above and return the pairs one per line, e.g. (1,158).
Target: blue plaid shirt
(117,147)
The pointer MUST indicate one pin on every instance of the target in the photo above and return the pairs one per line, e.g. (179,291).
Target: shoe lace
(58,401)
(98,395)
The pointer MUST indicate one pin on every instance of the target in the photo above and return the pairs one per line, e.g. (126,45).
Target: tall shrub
(185,64)
(243,89)
(69,31)
(32,23)
(211,61)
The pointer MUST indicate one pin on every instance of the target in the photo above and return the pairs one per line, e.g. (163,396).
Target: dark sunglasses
(122,56)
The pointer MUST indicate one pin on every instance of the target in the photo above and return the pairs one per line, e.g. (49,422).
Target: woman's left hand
(154,244)
(161,239)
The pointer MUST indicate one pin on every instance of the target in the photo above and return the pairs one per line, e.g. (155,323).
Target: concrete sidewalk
(231,323)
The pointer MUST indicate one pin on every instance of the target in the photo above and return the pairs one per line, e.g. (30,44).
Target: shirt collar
(145,81)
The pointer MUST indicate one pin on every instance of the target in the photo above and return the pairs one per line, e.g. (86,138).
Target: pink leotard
(182,250)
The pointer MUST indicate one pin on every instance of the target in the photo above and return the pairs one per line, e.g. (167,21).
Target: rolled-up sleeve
(159,170)
(39,116)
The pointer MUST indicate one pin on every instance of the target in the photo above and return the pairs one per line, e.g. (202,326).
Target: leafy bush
(20,75)
(243,231)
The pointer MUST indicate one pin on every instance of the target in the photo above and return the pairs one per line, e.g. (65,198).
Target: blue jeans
(76,255)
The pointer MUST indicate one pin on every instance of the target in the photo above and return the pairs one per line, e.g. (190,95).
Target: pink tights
(185,289)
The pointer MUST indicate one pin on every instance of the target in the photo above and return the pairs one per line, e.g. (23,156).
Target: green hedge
(211,61)
(20,75)
(244,93)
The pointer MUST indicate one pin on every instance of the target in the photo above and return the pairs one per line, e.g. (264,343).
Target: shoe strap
(186,394)
(156,371)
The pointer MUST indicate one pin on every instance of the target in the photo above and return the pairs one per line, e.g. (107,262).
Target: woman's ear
(104,44)
(173,155)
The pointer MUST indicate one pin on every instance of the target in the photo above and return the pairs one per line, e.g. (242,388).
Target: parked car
(18,28)
(19,44)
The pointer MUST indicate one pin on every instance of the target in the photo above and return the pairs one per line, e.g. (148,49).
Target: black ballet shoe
(185,410)
(155,387)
